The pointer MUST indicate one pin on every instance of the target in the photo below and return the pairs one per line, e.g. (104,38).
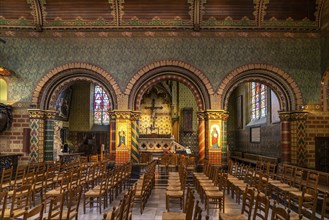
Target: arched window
(3,91)
(101,106)
(258,97)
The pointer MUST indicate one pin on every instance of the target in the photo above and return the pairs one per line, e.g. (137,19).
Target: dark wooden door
(322,154)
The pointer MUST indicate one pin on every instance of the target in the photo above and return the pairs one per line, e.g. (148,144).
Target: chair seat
(300,193)
(211,188)
(93,192)
(173,216)
(173,188)
(226,216)
(178,193)
(16,213)
(213,194)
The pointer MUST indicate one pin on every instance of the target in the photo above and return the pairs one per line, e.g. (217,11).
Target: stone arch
(49,86)
(280,82)
(325,91)
(179,71)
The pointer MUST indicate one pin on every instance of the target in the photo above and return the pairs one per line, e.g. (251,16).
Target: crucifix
(153,116)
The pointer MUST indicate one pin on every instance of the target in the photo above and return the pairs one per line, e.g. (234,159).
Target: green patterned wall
(187,100)
(31,58)
(325,53)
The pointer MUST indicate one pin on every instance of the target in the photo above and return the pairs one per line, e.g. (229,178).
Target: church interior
(186,109)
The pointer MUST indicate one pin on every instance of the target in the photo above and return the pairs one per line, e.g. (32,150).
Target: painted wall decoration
(215,136)
(63,105)
(275,107)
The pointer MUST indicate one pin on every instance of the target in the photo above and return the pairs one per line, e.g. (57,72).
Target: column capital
(118,114)
(284,116)
(36,113)
(50,114)
(299,115)
(216,115)
(201,115)
(135,115)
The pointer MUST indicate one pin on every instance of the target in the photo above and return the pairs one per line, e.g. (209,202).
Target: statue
(6,117)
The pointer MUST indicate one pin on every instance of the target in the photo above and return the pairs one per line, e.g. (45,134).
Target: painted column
(201,137)
(224,118)
(112,146)
(135,116)
(299,120)
(122,135)
(37,119)
(49,135)
(215,131)
(285,137)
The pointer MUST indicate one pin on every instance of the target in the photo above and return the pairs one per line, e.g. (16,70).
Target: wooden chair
(216,197)
(73,202)
(115,213)
(176,194)
(19,203)
(36,213)
(55,207)
(247,204)
(187,213)
(261,208)
(280,213)
(99,192)
(3,203)
(325,207)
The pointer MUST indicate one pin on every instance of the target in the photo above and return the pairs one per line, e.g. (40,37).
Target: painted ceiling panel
(15,9)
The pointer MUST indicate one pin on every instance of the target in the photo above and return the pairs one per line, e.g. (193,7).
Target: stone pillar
(215,132)
(224,117)
(122,135)
(49,135)
(37,120)
(298,119)
(201,136)
(112,136)
(135,116)
(285,137)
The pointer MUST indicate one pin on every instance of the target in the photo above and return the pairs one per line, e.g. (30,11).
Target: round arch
(280,82)
(50,86)
(179,71)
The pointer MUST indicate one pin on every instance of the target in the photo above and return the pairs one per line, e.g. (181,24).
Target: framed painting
(255,135)
(63,104)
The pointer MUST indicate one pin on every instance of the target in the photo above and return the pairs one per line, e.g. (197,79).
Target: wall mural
(215,136)
(63,103)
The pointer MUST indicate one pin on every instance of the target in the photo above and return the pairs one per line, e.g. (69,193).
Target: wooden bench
(252,159)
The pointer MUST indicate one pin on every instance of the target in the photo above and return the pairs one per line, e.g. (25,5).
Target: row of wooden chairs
(211,187)
(124,210)
(144,185)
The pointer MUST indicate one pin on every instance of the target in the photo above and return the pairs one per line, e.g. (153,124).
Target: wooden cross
(153,116)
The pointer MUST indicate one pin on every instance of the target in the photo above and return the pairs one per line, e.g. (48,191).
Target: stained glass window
(258,100)
(102,105)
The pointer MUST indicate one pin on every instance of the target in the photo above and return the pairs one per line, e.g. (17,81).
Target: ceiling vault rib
(318,13)
(38,17)
(117,12)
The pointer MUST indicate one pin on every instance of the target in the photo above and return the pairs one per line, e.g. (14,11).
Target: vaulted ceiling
(276,15)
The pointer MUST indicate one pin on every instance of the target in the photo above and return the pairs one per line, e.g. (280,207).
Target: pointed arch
(280,82)
(49,86)
(175,70)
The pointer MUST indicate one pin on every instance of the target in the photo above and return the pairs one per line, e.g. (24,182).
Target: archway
(185,75)
(46,94)
(289,99)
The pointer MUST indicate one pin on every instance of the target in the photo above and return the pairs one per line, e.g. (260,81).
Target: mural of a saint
(122,138)
(214,138)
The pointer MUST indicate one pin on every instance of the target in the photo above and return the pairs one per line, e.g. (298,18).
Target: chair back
(73,197)
(325,207)
(20,200)
(3,203)
(6,176)
(56,207)
(280,213)
(36,213)
(190,206)
(197,211)
(262,207)
(248,201)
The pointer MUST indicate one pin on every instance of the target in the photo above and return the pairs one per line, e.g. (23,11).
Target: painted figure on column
(214,137)
(122,138)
